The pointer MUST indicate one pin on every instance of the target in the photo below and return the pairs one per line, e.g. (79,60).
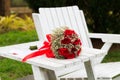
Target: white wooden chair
(71,16)
(54,69)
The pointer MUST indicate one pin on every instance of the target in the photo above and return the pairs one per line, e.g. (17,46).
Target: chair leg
(51,75)
(39,73)
(43,74)
(90,70)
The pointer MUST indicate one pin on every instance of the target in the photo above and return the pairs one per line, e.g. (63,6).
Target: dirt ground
(97,43)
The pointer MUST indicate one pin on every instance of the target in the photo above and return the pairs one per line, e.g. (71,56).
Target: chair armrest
(22,50)
(4,50)
(109,38)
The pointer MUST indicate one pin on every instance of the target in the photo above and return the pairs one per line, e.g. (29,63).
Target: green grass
(15,37)
(11,69)
(112,56)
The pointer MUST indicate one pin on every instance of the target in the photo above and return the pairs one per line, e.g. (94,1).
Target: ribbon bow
(45,49)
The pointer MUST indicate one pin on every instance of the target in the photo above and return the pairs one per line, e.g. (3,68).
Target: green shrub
(35,4)
(5,23)
(18,3)
(101,15)
(13,22)
(104,15)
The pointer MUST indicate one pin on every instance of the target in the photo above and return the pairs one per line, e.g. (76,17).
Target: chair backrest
(71,16)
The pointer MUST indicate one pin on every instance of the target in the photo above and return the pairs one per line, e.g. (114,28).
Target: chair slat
(39,30)
(85,28)
(72,19)
(49,18)
(54,16)
(60,16)
(81,28)
(66,16)
(44,22)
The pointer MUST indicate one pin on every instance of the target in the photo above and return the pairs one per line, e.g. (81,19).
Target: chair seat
(104,71)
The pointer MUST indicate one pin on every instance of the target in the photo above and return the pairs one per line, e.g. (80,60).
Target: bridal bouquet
(65,43)
(62,43)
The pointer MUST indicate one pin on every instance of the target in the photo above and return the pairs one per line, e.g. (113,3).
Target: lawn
(11,69)
(15,37)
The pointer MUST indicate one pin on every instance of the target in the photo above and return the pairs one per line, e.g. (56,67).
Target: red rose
(70,56)
(69,32)
(73,50)
(65,53)
(76,42)
(66,41)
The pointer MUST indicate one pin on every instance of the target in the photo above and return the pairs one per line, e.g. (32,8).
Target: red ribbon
(45,49)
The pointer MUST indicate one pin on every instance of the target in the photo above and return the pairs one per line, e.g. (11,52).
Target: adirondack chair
(87,65)
(71,16)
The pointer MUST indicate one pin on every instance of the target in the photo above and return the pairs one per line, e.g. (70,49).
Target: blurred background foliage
(13,22)
(102,16)
(18,3)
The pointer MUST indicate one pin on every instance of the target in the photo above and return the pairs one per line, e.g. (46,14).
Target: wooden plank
(104,71)
(49,19)
(60,17)
(39,73)
(38,26)
(85,27)
(111,38)
(72,19)
(90,71)
(44,23)
(66,17)
(82,32)
(54,17)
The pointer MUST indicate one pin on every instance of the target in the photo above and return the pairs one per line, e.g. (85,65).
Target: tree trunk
(4,7)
